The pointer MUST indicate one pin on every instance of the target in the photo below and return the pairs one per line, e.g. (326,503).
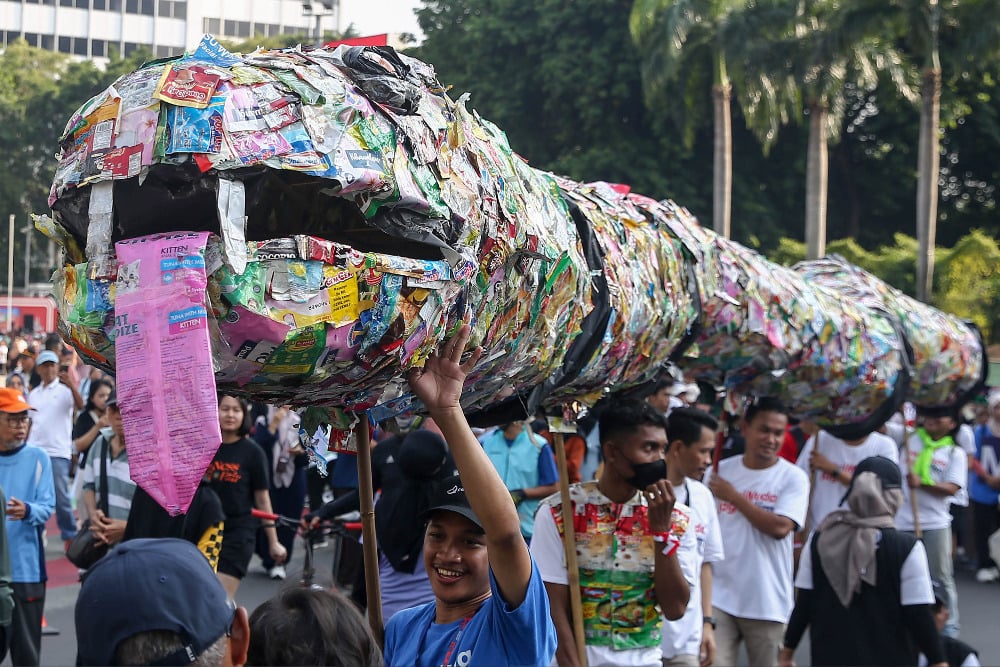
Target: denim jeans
(64,505)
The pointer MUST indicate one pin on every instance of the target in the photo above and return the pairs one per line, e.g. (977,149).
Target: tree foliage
(967,282)
(563,81)
(39,90)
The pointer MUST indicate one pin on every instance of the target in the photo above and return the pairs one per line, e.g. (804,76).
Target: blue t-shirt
(496,635)
(988,455)
(345,472)
(547,471)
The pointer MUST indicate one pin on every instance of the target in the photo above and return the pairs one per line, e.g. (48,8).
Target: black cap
(886,469)
(146,585)
(449,495)
(938,411)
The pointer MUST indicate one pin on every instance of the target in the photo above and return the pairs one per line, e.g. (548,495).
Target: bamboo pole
(909,462)
(816,477)
(367,501)
(569,544)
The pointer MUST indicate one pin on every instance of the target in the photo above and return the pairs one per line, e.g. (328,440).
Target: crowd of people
(692,538)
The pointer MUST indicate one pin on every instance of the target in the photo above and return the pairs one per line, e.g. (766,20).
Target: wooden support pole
(569,544)
(362,435)
(906,480)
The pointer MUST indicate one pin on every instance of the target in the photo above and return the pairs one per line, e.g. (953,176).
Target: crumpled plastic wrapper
(949,364)
(358,216)
(767,330)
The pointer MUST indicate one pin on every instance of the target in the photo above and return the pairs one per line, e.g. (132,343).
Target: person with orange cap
(26,478)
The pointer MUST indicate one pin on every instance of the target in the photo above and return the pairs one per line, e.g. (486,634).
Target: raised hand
(660,499)
(439,383)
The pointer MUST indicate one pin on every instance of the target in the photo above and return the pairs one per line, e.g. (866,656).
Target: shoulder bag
(86,548)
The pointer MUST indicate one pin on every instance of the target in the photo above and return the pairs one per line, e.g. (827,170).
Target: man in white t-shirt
(761,499)
(830,464)
(937,470)
(690,640)
(52,430)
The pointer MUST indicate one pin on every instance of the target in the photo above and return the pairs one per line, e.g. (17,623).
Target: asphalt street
(978,604)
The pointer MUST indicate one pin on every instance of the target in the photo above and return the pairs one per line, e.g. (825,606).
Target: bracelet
(672,545)
(661,537)
(268,525)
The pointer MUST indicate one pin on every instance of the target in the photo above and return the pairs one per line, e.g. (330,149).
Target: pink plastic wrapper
(164,364)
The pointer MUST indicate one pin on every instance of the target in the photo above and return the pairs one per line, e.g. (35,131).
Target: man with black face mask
(628,529)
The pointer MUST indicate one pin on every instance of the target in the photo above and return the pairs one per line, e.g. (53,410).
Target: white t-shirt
(755,581)
(828,492)
(949,464)
(52,421)
(965,437)
(550,557)
(896,430)
(914,578)
(683,636)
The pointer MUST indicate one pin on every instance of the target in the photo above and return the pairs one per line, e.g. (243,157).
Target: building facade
(96,28)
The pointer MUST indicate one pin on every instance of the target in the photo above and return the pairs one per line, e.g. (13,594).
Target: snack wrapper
(949,364)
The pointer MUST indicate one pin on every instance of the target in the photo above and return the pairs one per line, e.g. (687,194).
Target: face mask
(644,474)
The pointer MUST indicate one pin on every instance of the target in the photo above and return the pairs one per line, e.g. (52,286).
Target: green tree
(562,80)
(968,282)
(810,63)
(974,23)
(685,53)
(39,90)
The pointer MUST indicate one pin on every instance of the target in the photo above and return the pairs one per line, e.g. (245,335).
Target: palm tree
(683,42)
(973,26)
(812,59)
(973,33)
(929,152)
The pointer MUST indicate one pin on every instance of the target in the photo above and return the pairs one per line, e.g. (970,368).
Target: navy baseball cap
(145,585)
(449,496)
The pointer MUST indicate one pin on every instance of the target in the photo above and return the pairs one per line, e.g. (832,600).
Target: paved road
(978,603)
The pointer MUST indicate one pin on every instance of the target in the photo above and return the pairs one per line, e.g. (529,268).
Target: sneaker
(987,574)
(322,543)
(277,572)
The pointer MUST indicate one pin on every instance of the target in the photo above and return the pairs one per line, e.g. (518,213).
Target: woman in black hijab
(864,589)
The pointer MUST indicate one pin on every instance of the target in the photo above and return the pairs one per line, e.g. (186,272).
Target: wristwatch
(710,620)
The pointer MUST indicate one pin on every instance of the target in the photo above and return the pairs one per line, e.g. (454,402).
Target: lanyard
(454,641)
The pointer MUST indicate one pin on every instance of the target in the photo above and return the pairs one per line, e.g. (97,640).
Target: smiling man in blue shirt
(490,606)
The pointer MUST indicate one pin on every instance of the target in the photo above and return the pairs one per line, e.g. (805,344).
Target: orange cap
(12,401)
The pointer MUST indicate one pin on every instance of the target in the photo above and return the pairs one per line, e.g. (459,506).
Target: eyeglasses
(17,420)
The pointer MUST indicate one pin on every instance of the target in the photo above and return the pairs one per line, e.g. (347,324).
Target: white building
(93,28)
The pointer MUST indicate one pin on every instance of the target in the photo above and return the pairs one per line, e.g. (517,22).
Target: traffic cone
(46,629)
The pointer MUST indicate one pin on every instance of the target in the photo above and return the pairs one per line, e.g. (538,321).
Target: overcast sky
(372,17)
